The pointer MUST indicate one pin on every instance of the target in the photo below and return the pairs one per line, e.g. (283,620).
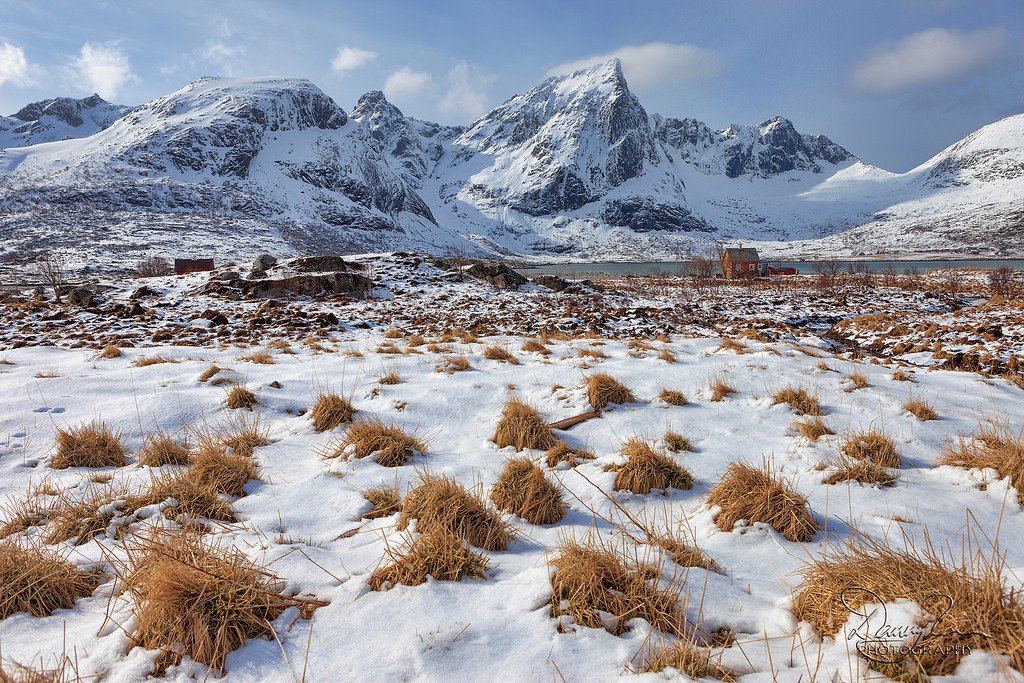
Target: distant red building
(740,263)
(192,265)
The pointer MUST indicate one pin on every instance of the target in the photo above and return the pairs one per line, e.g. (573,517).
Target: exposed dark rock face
(351,284)
(497,274)
(645,214)
(60,118)
(552,282)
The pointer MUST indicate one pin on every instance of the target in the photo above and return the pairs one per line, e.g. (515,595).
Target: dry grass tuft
(392,446)
(196,599)
(523,490)
(719,389)
(80,520)
(874,447)
(242,436)
(209,372)
(442,505)
(673,398)
(194,497)
(500,354)
(594,586)
(676,442)
(89,445)
(330,410)
(995,447)
(110,351)
(813,428)
(858,380)
(240,397)
(23,513)
(862,472)
(728,344)
(37,581)
(455,364)
(646,469)
(562,452)
(902,376)
(415,340)
(386,500)
(974,608)
(603,389)
(259,358)
(392,333)
(691,657)
(224,467)
(922,410)
(390,377)
(62,670)
(146,361)
(436,554)
(591,352)
(799,399)
(667,356)
(759,495)
(161,449)
(521,427)
(534,346)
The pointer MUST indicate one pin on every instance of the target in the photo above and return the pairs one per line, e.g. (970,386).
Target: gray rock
(496,273)
(351,284)
(263,263)
(320,264)
(80,296)
(552,282)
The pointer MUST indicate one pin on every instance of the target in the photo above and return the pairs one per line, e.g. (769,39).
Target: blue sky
(892,80)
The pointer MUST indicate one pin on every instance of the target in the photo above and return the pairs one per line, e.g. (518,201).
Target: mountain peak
(374,105)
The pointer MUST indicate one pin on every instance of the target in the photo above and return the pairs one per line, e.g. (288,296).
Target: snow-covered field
(302,518)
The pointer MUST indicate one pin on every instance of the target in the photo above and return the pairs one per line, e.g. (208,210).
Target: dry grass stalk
(436,554)
(521,426)
(719,389)
(728,344)
(523,490)
(813,428)
(689,656)
(798,398)
(902,375)
(646,469)
(63,670)
(683,553)
(995,447)
(23,513)
(759,495)
(862,472)
(259,358)
(330,410)
(562,452)
(676,442)
(673,398)
(209,372)
(386,500)
(667,356)
(922,410)
(241,435)
(603,389)
(500,354)
(146,361)
(392,447)
(110,351)
(593,585)
(89,445)
(591,352)
(240,397)
(194,498)
(442,505)
(223,467)
(873,446)
(858,380)
(534,346)
(455,364)
(415,340)
(392,333)
(82,519)
(390,377)
(970,598)
(196,599)
(38,581)
(159,449)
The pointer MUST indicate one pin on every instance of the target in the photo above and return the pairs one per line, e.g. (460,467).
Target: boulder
(262,264)
(552,282)
(80,296)
(319,264)
(496,273)
(143,292)
(217,319)
(351,284)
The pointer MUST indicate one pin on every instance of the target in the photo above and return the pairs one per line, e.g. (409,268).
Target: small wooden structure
(192,265)
(740,263)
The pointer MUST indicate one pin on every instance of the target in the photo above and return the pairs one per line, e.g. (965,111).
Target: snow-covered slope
(62,118)
(573,168)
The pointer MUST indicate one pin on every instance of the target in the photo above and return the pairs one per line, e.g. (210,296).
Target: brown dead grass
(673,398)
(194,498)
(902,376)
(455,364)
(521,426)
(209,372)
(646,469)
(597,588)
(798,398)
(995,447)
(442,505)
(719,389)
(534,346)
(392,333)
(259,358)
(38,581)
(922,410)
(523,490)
(159,449)
(386,500)
(196,599)
(330,410)
(436,554)
(21,513)
(146,361)
(562,452)
(500,354)
(872,446)
(241,435)
(223,467)
(759,495)
(240,397)
(689,656)
(110,351)
(89,445)
(389,378)
(603,389)
(676,442)
(813,428)
(81,519)
(591,352)
(858,380)
(728,344)
(862,472)
(392,446)
(970,597)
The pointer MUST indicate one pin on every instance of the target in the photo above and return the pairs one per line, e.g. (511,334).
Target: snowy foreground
(303,518)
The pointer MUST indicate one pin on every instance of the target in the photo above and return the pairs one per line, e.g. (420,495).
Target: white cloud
(934,57)
(656,64)
(465,97)
(14,67)
(102,68)
(350,58)
(406,84)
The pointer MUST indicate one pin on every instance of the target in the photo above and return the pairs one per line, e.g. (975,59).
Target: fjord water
(807,267)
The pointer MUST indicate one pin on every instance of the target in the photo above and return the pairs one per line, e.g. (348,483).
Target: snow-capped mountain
(62,118)
(575,167)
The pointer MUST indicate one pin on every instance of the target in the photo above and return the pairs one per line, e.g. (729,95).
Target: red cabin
(740,263)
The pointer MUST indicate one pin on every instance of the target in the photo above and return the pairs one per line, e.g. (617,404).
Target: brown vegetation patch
(436,554)
(922,410)
(392,446)
(37,581)
(813,428)
(523,490)
(110,351)
(798,398)
(995,447)
(146,361)
(534,346)
(442,505)
(719,389)
(259,358)
(159,449)
(330,410)
(691,657)
(759,495)
(209,372)
(673,398)
(862,472)
(646,469)
(603,389)
(240,397)
(858,380)
(500,354)
(562,452)
(521,426)
(676,442)
(89,445)
(873,446)
(386,500)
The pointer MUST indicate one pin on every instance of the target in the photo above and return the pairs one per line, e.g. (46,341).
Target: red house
(192,265)
(740,263)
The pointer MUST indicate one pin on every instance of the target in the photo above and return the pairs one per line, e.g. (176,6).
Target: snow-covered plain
(302,518)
